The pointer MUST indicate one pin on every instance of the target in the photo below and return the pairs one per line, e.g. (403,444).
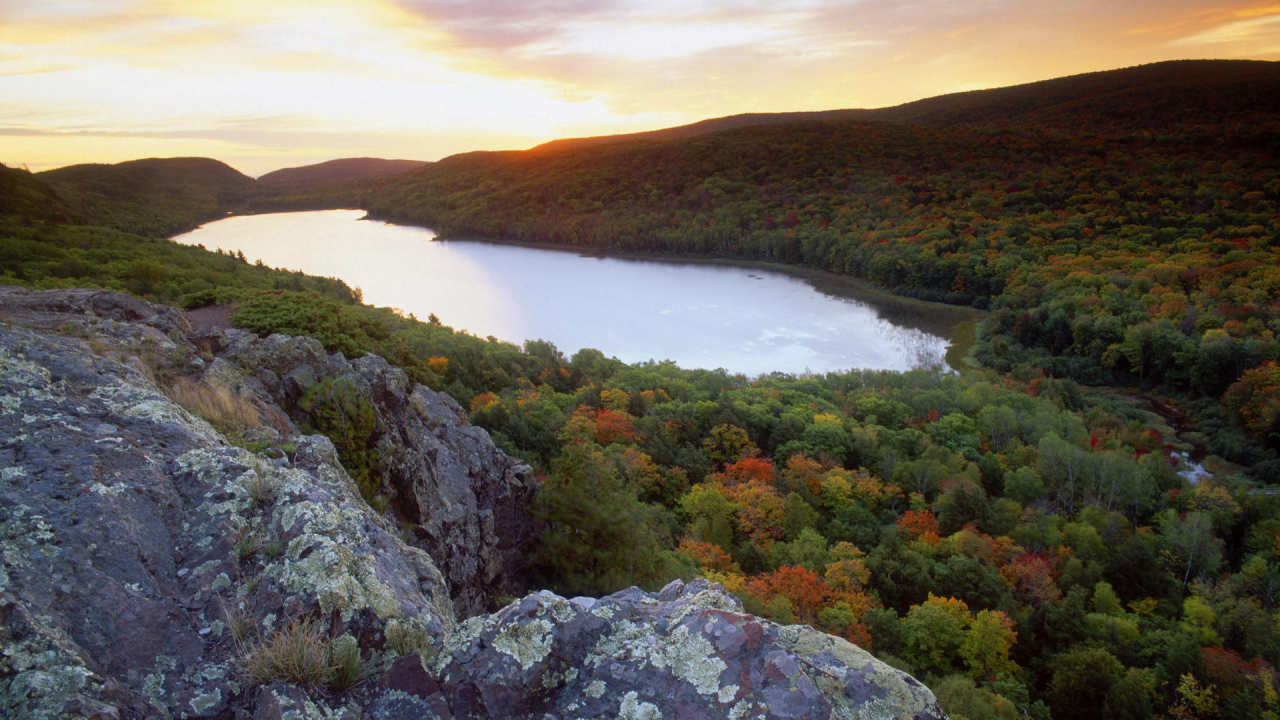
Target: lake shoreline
(960,329)
(950,327)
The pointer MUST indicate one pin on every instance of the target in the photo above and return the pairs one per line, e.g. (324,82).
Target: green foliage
(960,698)
(64,256)
(349,667)
(336,408)
(600,538)
(1082,680)
(933,633)
(153,197)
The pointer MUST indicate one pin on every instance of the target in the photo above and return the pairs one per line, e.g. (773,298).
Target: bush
(336,408)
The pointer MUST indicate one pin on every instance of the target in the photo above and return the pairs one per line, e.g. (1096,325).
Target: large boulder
(686,652)
(133,536)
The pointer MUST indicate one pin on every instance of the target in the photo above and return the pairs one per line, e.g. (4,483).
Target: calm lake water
(704,315)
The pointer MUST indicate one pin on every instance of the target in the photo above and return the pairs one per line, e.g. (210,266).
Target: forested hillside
(153,197)
(1122,227)
(1151,98)
(48,242)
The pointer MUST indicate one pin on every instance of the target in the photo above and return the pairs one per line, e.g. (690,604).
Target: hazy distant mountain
(156,197)
(336,171)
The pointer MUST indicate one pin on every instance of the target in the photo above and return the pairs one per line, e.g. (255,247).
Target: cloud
(507,24)
(242,75)
(1255,34)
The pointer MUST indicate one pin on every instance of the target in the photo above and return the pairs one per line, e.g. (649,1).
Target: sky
(266,84)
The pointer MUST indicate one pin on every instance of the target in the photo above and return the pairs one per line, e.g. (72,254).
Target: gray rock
(108,490)
(686,652)
(297,381)
(467,500)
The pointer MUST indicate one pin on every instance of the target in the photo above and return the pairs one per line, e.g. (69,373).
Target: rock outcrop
(144,557)
(686,652)
(466,500)
(134,535)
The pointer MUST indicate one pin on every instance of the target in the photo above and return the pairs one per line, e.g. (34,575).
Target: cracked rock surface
(685,652)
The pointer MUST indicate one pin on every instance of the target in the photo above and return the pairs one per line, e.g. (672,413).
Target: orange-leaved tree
(804,589)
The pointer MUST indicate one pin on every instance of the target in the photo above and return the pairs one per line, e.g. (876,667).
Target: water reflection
(743,319)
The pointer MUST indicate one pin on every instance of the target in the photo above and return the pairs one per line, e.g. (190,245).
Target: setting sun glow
(269,85)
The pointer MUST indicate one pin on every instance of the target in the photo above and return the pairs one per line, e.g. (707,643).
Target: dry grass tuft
(297,653)
(247,539)
(348,668)
(215,403)
(263,487)
(405,638)
(239,622)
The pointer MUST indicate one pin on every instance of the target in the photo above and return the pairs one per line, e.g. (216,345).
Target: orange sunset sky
(264,84)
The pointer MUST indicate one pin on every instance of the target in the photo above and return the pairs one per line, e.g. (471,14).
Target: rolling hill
(338,171)
(155,197)
(1177,93)
(1106,219)
(25,197)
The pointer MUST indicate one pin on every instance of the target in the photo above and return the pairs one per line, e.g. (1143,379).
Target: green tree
(1191,539)
(986,645)
(1062,465)
(727,443)
(961,699)
(1132,697)
(336,408)
(1081,680)
(600,538)
(933,633)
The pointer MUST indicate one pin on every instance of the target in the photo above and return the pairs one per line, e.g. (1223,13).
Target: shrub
(239,622)
(348,668)
(406,638)
(336,408)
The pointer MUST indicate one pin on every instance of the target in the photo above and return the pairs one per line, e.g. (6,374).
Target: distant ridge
(155,197)
(702,127)
(1177,92)
(338,171)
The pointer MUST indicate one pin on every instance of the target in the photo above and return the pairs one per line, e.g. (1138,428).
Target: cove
(741,317)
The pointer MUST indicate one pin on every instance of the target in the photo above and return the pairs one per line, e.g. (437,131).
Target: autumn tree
(727,443)
(987,643)
(805,590)
(933,633)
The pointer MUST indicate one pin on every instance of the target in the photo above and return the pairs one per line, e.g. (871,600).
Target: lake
(699,314)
